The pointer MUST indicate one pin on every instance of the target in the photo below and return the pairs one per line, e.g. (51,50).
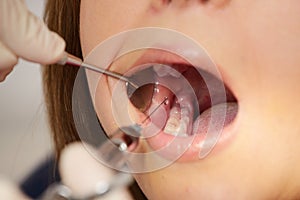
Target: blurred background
(25,136)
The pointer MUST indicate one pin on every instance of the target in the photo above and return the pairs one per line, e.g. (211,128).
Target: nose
(216,3)
(180,2)
(183,1)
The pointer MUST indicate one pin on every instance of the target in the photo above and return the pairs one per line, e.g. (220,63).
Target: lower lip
(193,144)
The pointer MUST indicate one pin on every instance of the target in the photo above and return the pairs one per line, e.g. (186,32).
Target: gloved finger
(7,61)
(26,35)
(10,191)
(81,172)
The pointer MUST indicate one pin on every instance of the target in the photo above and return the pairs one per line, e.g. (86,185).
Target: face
(256,47)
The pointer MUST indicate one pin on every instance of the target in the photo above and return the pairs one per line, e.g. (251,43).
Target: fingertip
(33,41)
(77,163)
(51,48)
(57,49)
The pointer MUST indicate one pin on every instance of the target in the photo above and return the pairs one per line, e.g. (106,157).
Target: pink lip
(193,145)
(160,56)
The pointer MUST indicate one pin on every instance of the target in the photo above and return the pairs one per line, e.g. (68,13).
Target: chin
(176,183)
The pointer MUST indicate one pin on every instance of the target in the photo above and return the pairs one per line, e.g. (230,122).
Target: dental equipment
(114,151)
(75,61)
(132,82)
(62,192)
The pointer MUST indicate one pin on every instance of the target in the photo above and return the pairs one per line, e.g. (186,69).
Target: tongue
(215,118)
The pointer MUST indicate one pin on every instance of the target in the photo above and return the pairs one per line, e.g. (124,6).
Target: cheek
(103,106)
(261,49)
(113,110)
(100,19)
(272,30)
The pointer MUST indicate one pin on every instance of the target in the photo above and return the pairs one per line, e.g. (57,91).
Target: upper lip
(178,58)
(161,57)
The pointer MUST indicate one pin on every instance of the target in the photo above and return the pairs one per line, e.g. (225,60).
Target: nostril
(166,1)
(216,3)
(159,4)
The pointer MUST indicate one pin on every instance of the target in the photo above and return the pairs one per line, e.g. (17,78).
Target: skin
(256,44)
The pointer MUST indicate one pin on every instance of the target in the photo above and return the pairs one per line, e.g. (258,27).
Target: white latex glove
(26,36)
(81,172)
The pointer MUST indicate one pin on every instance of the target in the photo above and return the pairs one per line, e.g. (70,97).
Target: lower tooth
(183,127)
(180,120)
(177,125)
(173,121)
(187,111)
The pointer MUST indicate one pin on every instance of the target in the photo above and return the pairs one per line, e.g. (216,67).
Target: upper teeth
(165,70)
(169,77)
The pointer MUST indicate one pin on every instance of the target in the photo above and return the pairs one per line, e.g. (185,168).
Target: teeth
(161,70)
(185,99)
(173,121)
(179,122)
(175,73)
(183,127)
(165,70)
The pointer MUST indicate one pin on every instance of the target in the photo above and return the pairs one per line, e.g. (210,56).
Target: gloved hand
(23,35)
(81,172)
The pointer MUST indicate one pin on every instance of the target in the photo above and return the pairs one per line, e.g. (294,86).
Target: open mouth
(190,102)
(196,100)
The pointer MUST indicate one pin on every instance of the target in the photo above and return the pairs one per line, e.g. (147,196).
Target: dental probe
(75,61)
(155,109)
